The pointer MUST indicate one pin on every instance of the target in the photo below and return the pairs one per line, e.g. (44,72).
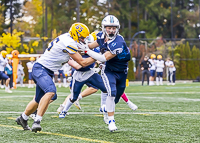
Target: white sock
(38,118)
(103,98)
(6,88)
(80,97)
(111,118)
(24,116)
(67,106)
(157,80)
(110,104)
(161,80)
(64,81)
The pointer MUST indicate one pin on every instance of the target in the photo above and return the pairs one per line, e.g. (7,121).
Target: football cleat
(105,118)
(36,126)
(132,106)
(62,114)
(103,108)
(33,115)
(22,122)
(8,91)
(60,108)
(112,127)
(77,104)
(169,83)
(173,83)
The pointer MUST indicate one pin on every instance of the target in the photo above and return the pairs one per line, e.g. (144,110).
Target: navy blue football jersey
(86,56)
(116,46)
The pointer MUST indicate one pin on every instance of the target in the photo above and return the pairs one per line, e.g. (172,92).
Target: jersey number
(52,43)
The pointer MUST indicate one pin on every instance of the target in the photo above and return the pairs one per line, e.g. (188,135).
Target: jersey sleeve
(99,37)
(70,48)
(116,47)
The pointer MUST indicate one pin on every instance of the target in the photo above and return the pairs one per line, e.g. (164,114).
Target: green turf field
(165,114)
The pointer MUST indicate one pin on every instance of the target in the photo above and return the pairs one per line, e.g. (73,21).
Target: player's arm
(74,64)
(83,62)
(93,45)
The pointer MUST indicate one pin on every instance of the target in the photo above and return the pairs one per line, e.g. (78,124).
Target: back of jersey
(56,55)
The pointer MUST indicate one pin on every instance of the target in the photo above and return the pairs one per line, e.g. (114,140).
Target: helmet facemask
(112,35)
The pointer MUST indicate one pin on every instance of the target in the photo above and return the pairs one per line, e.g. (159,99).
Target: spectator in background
(3,64)
(20,74)
(152,69)
(9,72)
(171,71)
(159,70)
(61,72)
(145,66)
(30,66)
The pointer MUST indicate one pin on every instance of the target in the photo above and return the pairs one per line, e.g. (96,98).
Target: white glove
(96,70)
(102,66)
(83,47)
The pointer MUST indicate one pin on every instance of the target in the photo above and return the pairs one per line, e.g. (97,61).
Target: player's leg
(148,73)
(98,83)
(143,74)
(11,81)
(130,104)
(45,84)
(75,91)
(64,79)
(23,118)
(174,77)
(29,79)
(161,78)
(5,77)
(110,101)
(59,80)
(88,91)
(157,78)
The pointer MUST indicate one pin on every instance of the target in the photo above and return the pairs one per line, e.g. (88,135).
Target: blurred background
(167,27)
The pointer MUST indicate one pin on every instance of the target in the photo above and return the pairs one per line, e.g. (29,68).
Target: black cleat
(22,122)
(36,126)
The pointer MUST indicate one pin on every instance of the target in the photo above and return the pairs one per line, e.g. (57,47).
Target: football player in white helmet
(116,54)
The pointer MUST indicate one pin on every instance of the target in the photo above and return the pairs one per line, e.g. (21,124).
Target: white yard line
(91,113)
(143,97)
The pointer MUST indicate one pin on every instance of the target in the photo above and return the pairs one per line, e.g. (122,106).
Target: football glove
(83,47)
(96,70)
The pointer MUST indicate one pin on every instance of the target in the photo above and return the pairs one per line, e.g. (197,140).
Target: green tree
(188,60)
(183,66)
(131,74)
(195,62)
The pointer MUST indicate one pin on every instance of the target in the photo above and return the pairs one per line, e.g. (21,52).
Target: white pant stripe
(106,81)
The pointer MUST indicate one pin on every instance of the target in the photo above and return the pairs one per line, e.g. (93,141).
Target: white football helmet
(110,20)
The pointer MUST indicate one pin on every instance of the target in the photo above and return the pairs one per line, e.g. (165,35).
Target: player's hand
(101,66)
(142,68)
(96,70)
(83,47)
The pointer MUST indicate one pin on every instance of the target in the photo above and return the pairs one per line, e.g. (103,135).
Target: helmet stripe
(111,19)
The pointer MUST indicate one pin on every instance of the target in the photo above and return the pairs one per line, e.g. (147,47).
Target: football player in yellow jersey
(58,53)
